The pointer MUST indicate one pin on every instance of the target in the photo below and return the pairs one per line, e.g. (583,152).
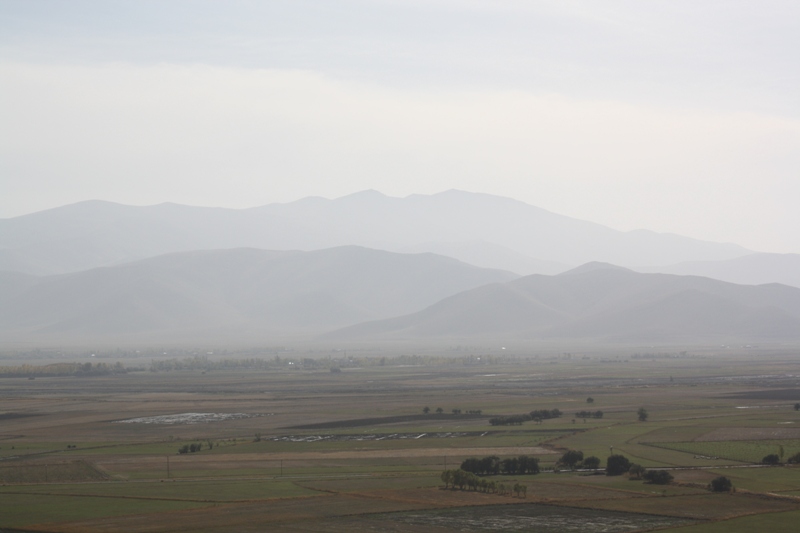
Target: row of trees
(656,477)
(426,410)
(574,459)
(544,414)
(191,448)
(462,480)
(492,465)
(515,420)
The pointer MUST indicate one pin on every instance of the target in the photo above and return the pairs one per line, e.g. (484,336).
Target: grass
(206,491)
(743,451)
(20,510)
(49,472)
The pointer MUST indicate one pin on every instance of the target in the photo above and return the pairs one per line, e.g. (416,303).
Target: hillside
(227,292)
(605,303)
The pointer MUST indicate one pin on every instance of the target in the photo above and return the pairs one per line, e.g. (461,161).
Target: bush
(636,471)
(591,462)
(720,484)
(616,465)
(658,477)
(571,458)
(771,459)
(794,459)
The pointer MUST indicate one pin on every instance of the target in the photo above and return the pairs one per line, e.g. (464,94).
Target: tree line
(493,465)
(515,420)
(462,480)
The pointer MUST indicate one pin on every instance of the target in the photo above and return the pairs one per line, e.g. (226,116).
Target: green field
(743,451)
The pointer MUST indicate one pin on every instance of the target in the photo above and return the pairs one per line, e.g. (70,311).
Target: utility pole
(168,467)
(281,467)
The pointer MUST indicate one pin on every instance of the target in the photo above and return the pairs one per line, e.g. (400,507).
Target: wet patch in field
(533,518)
(187,418)
(375,437)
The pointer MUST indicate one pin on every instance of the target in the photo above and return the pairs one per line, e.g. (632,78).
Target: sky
(675,116)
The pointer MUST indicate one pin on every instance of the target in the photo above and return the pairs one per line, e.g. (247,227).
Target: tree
(636,471)
(658,477)
(571,458)
(447,477)
(426,409)
(720,484)
(510,465)
(439,410)
(771,459)
(797,407)
(589,400)
(642,414)
(591,462)
(794,459)
(528,465)
(616,465)
(460,478)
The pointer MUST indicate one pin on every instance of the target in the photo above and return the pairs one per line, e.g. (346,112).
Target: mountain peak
(594,266)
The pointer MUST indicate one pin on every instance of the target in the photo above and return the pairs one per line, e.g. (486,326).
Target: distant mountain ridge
(604,303)
(233,292)
(754,269)
(479,228)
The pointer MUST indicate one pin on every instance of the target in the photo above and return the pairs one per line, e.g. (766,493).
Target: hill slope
(602,302)
(241,290)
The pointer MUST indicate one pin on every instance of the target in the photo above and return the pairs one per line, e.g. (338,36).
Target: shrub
(771,459)
(658,477)
(720,484)
(591,462)
(636,471)
(571,458)
(616,465)
(794,459)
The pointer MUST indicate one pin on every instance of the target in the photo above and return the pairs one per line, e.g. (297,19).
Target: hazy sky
(678,116)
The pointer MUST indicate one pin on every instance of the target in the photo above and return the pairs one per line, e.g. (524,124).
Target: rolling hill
(605,303)
(232,292)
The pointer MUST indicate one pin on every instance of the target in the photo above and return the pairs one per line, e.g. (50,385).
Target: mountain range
(481,229)
(372,267)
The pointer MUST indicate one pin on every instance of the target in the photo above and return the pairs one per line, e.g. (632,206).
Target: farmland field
(300,448)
